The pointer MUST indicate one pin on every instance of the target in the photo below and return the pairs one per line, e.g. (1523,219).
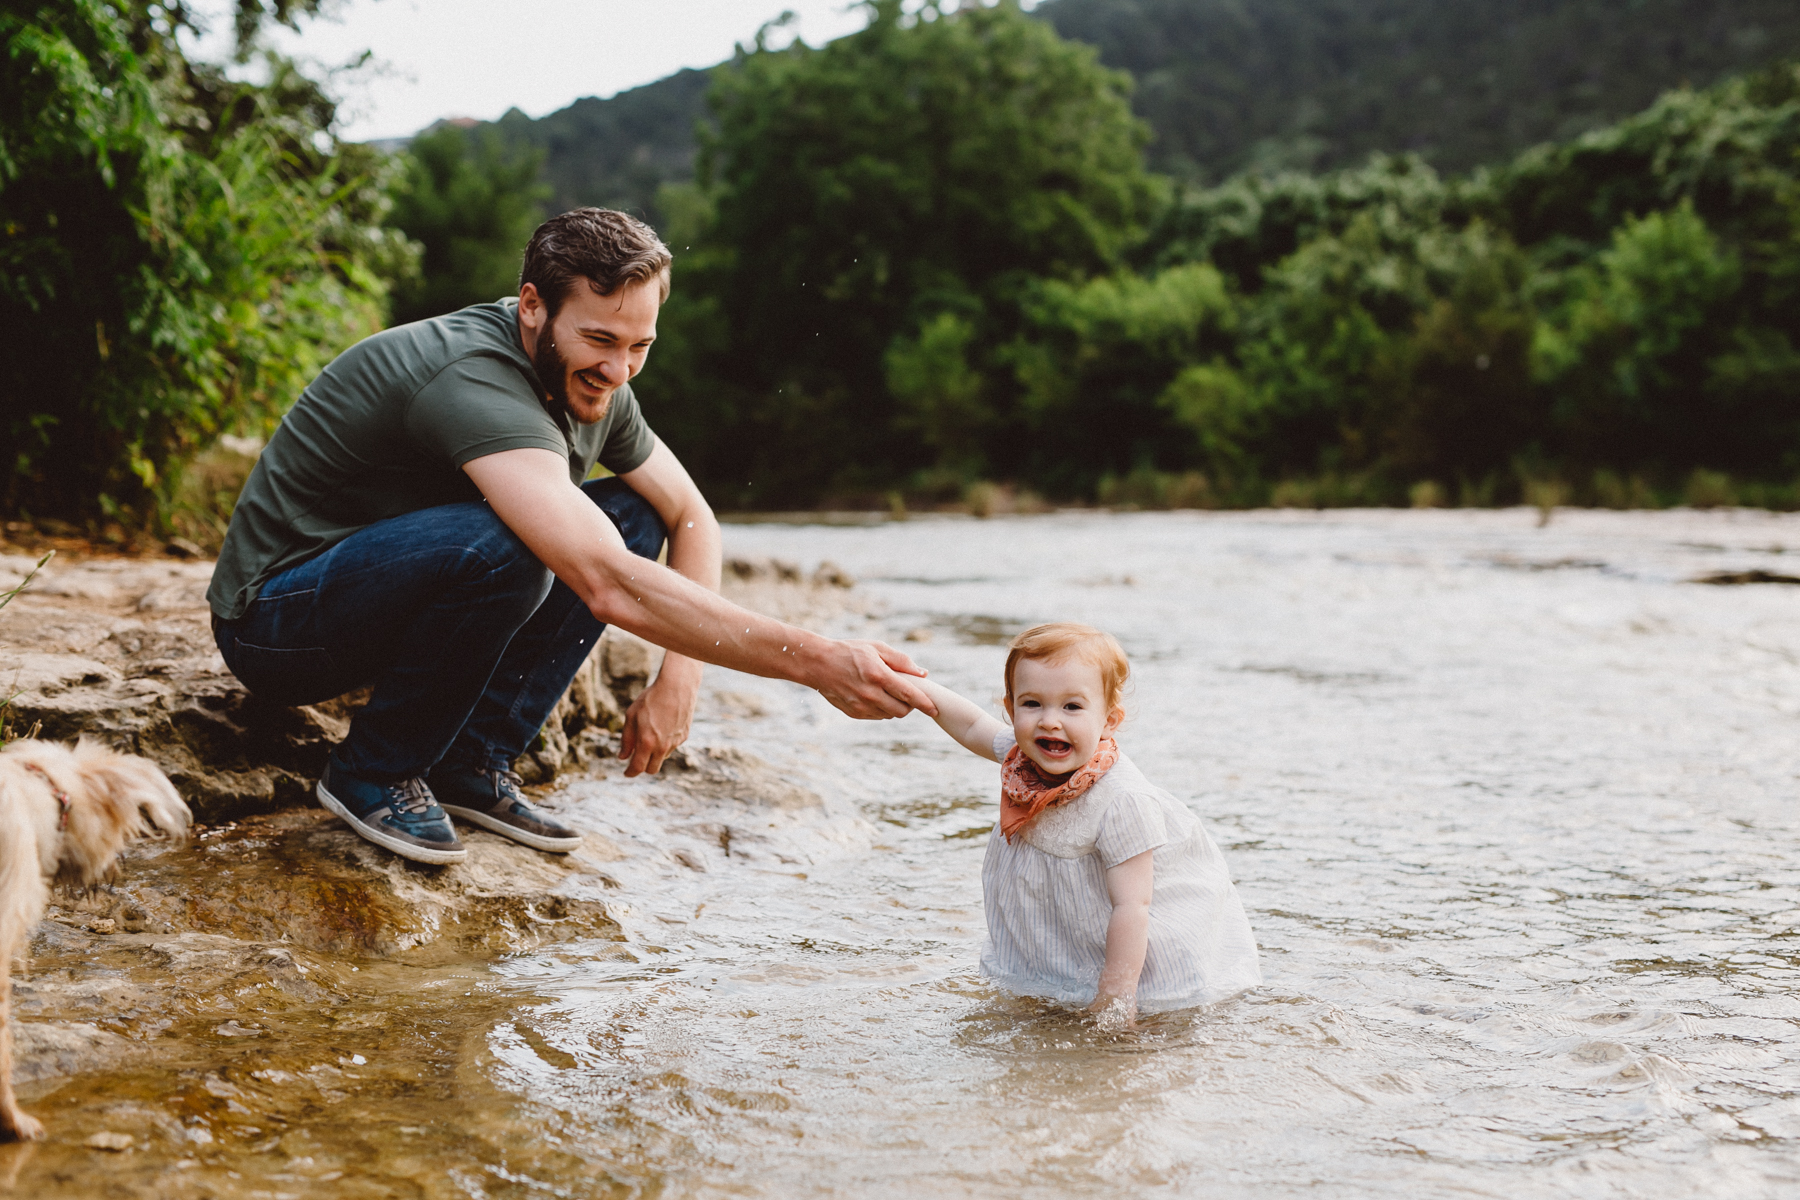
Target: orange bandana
(1024,792)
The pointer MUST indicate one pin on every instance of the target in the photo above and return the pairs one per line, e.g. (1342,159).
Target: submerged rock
(222,930)
(1738,578)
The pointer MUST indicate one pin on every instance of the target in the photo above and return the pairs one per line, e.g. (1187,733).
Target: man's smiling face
(592,345)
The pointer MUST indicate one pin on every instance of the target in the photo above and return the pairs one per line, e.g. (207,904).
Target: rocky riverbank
(273,933)
(121,649)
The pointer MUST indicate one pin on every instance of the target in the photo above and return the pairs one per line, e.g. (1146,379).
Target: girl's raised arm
(962,719)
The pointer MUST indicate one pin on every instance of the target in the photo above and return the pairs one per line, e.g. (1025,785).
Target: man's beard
(553,372)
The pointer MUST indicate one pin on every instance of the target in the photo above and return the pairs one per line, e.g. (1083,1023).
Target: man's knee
(637,520)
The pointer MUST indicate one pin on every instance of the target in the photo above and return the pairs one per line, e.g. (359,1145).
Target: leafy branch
(7,732)
(6,597)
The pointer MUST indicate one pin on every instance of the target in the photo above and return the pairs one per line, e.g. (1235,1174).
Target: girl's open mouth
(1053,746)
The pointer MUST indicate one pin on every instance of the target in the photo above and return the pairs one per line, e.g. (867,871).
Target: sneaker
(492,800)
(401,817)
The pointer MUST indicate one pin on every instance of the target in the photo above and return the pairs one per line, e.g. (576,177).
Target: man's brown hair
(608,249)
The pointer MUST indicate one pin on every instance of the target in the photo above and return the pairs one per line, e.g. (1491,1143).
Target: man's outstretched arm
(529,489)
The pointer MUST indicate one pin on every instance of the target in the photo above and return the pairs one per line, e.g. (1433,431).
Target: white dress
(1047,906)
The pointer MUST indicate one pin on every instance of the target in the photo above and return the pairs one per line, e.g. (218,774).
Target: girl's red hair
(1063,639)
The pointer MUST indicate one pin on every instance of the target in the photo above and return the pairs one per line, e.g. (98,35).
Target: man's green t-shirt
(385,430)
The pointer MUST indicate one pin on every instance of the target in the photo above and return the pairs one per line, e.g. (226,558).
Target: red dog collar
(62,797)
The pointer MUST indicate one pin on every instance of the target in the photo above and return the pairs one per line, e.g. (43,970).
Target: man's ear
(532,314)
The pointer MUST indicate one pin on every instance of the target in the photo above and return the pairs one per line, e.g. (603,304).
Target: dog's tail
(120,797)
(136,786)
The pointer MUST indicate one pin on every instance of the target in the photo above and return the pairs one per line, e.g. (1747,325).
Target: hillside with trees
(617,152)
(1228,86)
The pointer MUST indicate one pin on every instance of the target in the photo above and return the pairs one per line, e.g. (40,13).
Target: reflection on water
(1519,844)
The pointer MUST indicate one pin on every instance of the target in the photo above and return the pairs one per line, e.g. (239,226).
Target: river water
(1511,810)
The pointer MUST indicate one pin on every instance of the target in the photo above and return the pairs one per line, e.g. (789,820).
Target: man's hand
(868,680)
(661,717)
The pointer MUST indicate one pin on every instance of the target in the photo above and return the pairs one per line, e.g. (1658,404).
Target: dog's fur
(113,798)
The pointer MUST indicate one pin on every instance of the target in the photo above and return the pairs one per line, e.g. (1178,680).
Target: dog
(64,817)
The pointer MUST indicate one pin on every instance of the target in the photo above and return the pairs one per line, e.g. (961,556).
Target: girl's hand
(1113,1013)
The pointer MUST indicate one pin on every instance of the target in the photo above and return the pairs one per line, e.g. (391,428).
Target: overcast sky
(478,58)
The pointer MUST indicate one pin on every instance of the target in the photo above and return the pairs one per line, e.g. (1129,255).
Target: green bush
(182,255)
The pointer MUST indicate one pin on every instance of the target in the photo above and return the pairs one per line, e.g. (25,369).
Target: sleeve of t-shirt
(629,440)
(1131,826)
(478,406)
(1004,741)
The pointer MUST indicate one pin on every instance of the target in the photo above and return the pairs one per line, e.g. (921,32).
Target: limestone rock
(301,879)
(45,1051)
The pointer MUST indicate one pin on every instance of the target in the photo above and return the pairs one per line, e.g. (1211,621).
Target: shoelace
(508,785)
(412,797)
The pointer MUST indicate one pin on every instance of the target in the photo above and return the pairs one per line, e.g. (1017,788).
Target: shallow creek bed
(1511,809)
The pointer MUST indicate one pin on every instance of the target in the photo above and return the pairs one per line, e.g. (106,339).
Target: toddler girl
(1100,888)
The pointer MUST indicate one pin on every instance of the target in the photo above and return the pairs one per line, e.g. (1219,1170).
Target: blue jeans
(468,639)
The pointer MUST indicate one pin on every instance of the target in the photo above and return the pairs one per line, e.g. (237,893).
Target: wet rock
(750,570)
(783,590)
(256,928)
(270,920)
(1735,578)
(830,574)
(47,1051)
(728,773)
(301,879)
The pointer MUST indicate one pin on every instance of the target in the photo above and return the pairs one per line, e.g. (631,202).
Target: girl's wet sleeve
(1131,826)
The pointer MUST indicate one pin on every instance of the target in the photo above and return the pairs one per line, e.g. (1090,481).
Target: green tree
(1093,361)
(1394,348)
(1628,354)
(182,253)
(471,204)
(878,200)
(937,393)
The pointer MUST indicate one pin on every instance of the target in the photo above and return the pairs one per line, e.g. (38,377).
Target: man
(419,521)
